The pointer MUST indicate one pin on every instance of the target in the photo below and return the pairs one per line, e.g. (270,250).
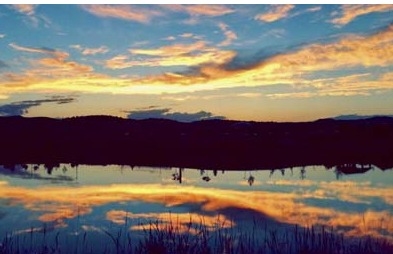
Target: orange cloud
(213,57)
(229,35)
(173,55)
(276,12)
(52,52)
(51,73)
(295,68)
(387,76)
(349,51)
(201,9)
(359,84)
(122,12)
(351,12)
(55,66)
(27,9)
(175,49)
(289,68)
(59,203)
(119,62)
(61,67)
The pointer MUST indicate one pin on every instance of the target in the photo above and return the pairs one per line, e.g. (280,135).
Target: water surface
(101,201)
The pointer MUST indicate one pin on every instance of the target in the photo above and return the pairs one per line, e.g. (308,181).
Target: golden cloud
(122,12)
(358,84)
(27,9)
(52,52)
(173,55)
(351,51)
(229,35)
(276,12)
(59,203)
(201,9)
(351,12)
(175,49)
(289,68)
(295,68)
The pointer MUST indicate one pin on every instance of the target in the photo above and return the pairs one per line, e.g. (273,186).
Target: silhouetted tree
(251,180)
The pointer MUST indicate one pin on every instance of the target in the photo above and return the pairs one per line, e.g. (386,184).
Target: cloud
(358,84)
(277,33)
(194,54)
(289,208)
(212,69)
(187,35)
(42,50)
(292,67)
(22,107)
(351,12)
(229,35)
(125,12)
(170,38)
(174,49)
(308,10)
(166,114)
(349,51)
(54,66)
(201,9)
(314,9)
(2,36)
(29,11)
(90,51)
(275,12)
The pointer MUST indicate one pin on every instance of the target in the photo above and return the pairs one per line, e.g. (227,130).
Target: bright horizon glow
(244,62)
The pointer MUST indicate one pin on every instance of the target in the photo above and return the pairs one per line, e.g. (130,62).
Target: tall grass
(174,237)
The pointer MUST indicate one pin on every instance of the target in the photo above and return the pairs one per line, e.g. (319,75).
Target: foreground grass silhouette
(174,237)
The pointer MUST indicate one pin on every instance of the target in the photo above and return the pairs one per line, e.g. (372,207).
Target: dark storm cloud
(22,107)
(166,114)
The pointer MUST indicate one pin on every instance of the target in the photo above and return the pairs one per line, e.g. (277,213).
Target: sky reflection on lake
(96,198)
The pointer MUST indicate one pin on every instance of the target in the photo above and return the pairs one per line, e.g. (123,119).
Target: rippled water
(101,201)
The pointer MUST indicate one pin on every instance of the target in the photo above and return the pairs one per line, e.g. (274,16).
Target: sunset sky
(190,62)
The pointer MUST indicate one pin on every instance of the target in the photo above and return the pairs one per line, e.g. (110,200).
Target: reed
(171,237)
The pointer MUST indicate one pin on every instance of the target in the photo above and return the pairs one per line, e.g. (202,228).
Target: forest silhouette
(209,144)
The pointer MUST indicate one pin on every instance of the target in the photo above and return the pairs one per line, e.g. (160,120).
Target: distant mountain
(358,117)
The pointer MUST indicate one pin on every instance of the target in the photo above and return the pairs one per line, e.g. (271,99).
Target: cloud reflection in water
(58,204)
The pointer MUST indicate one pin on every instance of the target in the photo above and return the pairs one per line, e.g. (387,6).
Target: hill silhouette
(209,144)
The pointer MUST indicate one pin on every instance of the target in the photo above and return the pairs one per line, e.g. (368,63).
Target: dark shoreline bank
(213,144)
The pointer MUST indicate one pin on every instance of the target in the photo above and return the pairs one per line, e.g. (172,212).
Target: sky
(192,62)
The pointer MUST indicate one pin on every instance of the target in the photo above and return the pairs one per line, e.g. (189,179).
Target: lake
(116,209)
